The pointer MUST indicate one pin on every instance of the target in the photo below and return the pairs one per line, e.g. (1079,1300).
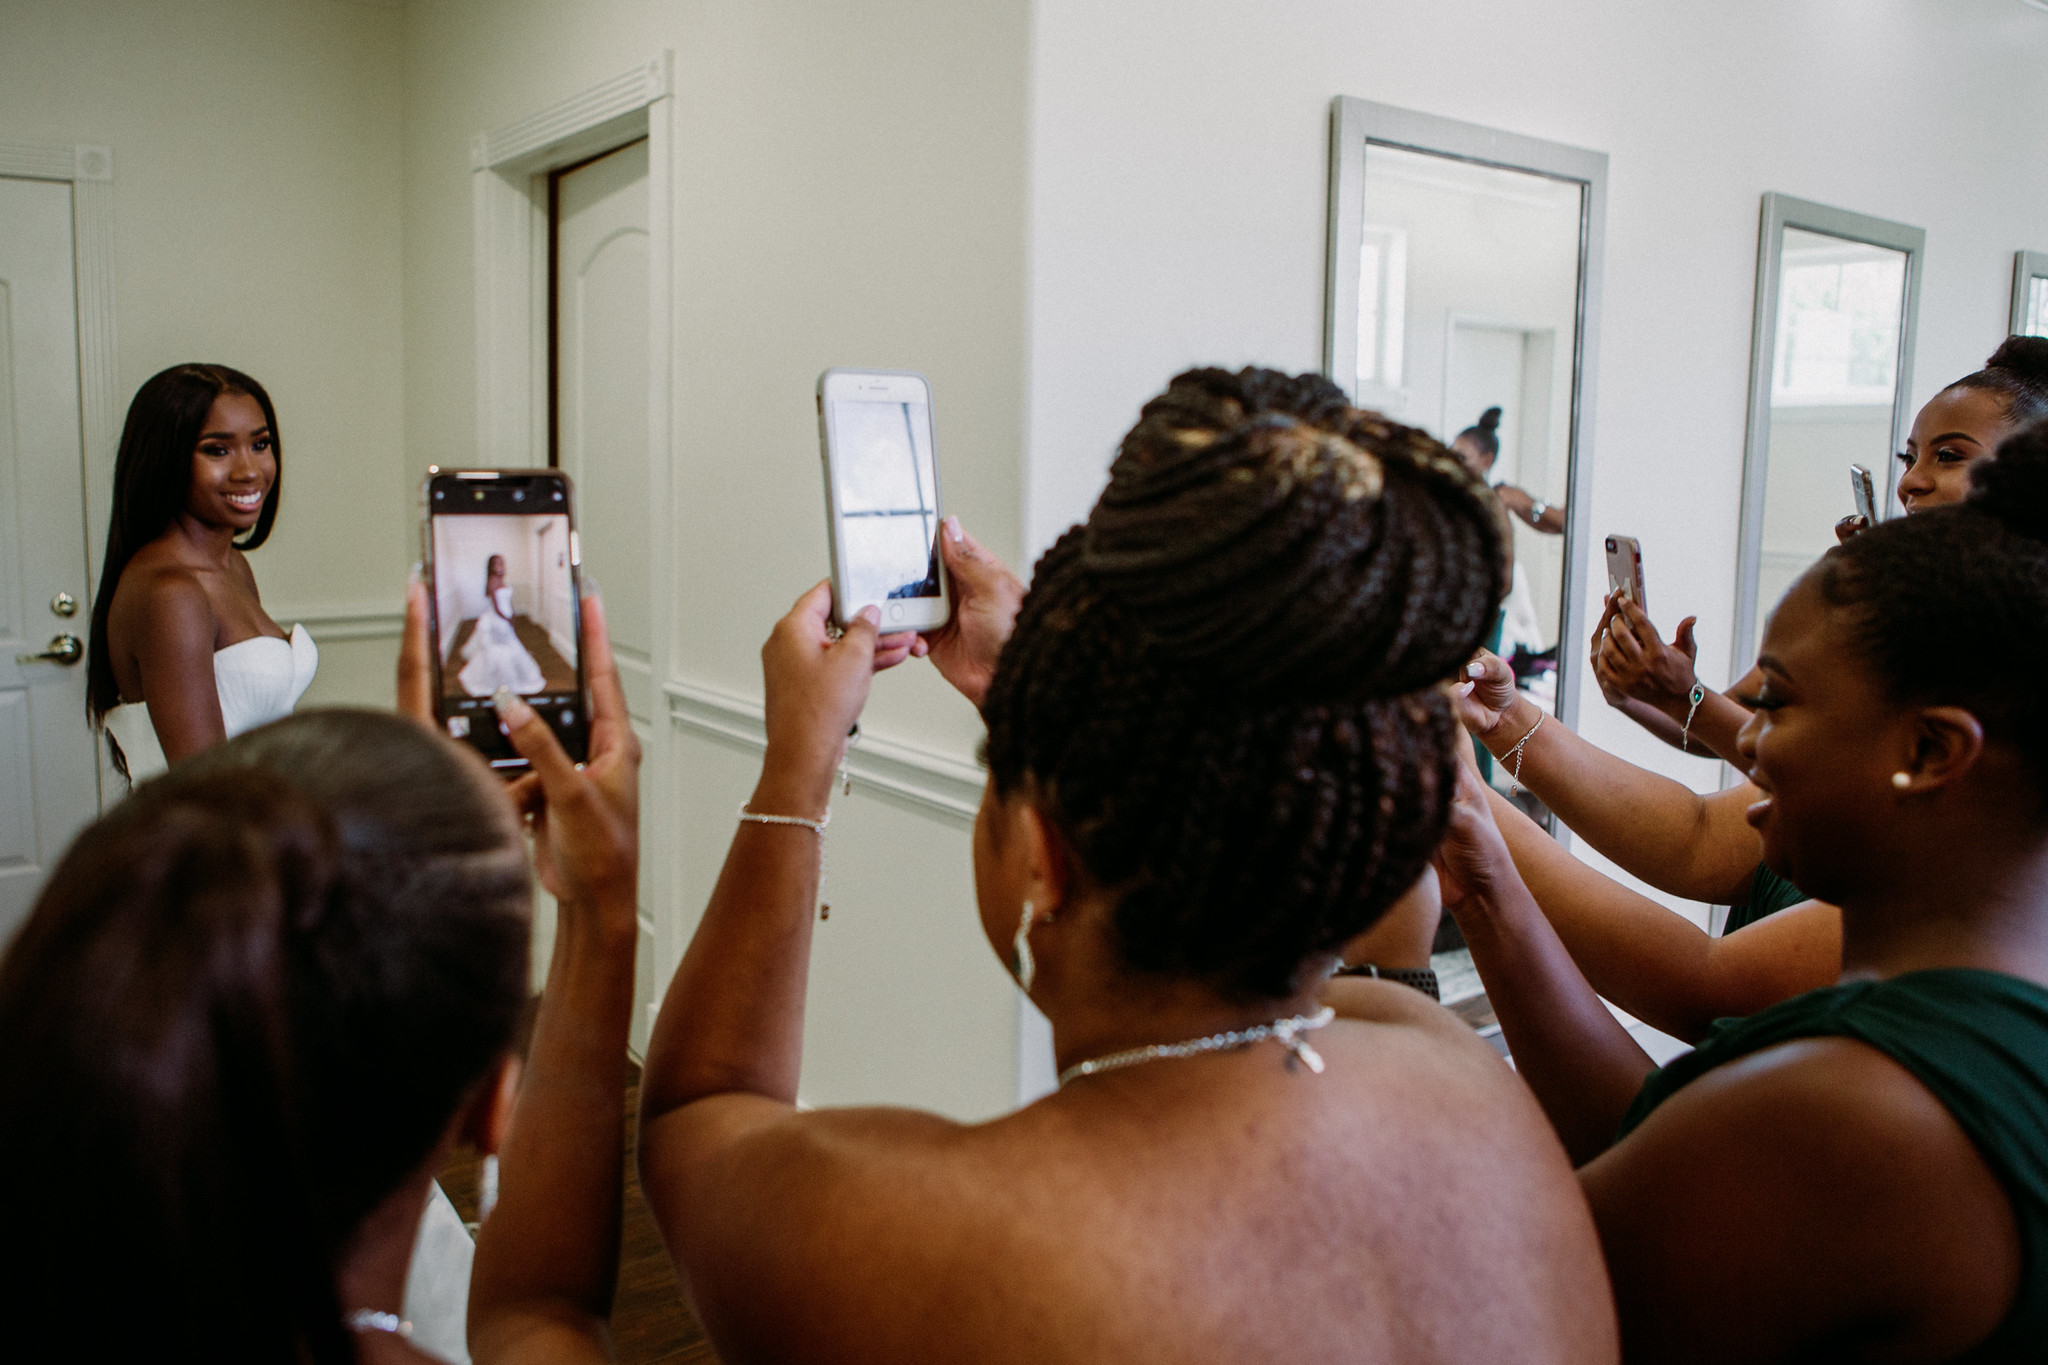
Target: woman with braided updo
(1218,749)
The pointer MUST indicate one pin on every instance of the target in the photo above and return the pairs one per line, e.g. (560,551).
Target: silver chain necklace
(373,1320)
(1286,1032)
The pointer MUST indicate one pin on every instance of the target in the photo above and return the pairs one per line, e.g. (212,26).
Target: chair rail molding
(930,783)
(89,170)
(344,621)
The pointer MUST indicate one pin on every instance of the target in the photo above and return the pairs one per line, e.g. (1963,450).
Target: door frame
(510,166)
(89,171)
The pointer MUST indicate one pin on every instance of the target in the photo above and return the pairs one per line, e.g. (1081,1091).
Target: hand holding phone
(882,498)
(1625,569)
(502,569)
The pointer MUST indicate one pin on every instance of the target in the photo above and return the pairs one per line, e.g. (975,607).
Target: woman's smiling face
(1956,427)
(234,464)
(1823,744)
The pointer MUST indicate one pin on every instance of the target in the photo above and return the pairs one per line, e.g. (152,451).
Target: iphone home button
(895,611)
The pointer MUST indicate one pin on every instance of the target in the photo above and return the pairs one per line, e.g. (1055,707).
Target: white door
(601,274)
(49,784)
(601,281)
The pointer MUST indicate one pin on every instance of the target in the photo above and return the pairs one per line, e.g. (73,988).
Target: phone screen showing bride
(503,571)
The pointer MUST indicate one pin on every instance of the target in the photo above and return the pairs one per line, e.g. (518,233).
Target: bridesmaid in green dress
(1861,1172)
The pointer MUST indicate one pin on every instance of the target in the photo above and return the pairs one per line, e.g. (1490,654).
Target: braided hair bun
(1222,687)
(1288,546)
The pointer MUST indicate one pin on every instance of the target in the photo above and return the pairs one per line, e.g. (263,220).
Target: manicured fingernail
(953,531)
(589,588)
(871,614)
(511,708)
(1475,669)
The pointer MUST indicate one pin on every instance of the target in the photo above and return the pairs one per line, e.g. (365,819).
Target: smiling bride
(183,654)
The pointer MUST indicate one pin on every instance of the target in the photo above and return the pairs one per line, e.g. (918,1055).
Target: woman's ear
(490,1114)
(1049,865)
(1947,743)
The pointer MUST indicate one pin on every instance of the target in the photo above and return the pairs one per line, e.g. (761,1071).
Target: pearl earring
(1024,967)
(1902,780)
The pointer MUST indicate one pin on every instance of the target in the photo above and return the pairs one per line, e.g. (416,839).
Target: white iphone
(882,497)
(1625,568)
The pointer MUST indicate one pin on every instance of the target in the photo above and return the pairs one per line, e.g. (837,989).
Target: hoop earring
(1022,965)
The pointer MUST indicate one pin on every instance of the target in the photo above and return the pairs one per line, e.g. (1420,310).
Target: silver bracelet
(1696,696)
(1514,755)
(816,827)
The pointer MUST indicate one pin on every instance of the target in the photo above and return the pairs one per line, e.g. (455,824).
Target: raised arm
(1657,965)
(547,1257)
(728,1045)
(173,647)
(1652,683)
(1577,1058)
(1698,847)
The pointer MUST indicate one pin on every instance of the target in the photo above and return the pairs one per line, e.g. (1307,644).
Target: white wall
(1179,170)
(848,190)
(256,201)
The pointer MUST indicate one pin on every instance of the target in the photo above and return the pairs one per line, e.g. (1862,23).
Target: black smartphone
(504,593)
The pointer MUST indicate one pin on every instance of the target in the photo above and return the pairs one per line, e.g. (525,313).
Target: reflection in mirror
(1468,297)
(1828,389)
(2029,294)
(1833,384)
(1463,263)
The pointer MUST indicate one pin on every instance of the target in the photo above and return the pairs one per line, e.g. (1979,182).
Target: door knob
(64,604)
(64,649)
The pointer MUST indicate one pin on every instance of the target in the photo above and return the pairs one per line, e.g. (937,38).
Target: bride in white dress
(494,658)
(183,654)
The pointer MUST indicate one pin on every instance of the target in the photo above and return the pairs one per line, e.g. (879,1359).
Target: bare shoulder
(1386,1005)
(1819,1183)
(1834,1102)
(160,599)
(826,1207)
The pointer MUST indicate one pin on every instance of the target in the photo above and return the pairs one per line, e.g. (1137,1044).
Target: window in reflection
(1833,387)
(1468,302)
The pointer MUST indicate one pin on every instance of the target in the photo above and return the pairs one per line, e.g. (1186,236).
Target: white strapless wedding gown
(259,680)
(495,658)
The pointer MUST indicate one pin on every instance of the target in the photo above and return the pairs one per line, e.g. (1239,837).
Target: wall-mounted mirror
(2029,294)
(1463,279)
(1831,371)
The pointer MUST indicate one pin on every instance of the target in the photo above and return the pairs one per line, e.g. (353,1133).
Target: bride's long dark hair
(152,479)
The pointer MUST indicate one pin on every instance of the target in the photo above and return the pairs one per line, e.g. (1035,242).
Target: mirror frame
(1354,123)
(2027,266)
(1781,211)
